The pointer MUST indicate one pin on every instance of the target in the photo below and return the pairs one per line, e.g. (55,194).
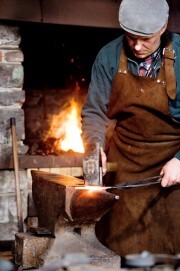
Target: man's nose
(138,45)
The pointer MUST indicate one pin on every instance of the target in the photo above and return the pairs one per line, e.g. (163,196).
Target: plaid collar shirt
(147,67)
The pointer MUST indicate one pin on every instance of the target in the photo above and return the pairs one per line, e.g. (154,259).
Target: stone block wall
(11,100)
(11,83)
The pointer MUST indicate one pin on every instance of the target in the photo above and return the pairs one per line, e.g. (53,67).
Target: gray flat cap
(143,17)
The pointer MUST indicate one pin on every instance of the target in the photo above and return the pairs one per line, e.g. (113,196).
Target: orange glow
(66,127)
(92,188)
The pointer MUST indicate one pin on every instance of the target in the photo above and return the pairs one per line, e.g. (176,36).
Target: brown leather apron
(144,139)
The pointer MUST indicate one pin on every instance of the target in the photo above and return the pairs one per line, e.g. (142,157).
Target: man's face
(143,46)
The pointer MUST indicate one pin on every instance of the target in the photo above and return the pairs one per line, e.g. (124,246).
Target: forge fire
(64,133)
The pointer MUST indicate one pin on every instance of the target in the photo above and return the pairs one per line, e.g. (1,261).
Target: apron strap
(169,58)
(168,61)
(123,67)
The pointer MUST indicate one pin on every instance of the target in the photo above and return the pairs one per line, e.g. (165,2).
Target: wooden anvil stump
(67,212)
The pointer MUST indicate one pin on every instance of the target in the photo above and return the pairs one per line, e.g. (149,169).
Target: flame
(66,128)
(72,131)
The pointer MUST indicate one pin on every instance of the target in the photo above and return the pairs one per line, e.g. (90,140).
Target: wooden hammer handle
(111,166)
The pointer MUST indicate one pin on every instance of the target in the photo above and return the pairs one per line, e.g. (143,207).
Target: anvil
(67,216)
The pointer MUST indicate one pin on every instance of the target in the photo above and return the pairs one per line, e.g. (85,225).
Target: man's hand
(103,161)
(171,172)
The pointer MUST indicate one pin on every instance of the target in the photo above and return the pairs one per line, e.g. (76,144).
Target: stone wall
(11,100)
(39,106)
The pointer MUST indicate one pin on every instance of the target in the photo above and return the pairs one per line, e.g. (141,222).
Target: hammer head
(92,169)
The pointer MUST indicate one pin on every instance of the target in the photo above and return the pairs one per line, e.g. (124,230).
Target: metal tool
(92,165)
(139,183)
(92,171)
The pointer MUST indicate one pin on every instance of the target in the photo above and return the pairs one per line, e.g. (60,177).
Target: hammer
(92,165)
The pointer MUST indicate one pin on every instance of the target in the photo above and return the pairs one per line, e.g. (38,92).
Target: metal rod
(16,171)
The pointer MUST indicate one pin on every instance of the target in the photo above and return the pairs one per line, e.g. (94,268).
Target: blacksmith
(136,82)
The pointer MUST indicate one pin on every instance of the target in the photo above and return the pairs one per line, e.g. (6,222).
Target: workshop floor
(7,250)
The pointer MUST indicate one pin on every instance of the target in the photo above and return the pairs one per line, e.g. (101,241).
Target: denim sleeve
(94,111)
(177,155)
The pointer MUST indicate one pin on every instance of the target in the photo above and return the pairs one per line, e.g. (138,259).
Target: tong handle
(141,183)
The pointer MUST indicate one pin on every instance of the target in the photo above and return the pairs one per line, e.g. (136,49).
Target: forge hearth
(43,67)
(66,223)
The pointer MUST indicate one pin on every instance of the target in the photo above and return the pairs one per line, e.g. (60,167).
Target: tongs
(138,183)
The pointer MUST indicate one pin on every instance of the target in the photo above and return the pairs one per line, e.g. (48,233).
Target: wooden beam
(38,161)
